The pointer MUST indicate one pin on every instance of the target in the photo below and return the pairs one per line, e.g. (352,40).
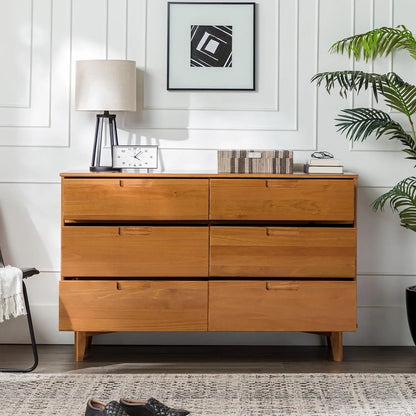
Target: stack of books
(323,166)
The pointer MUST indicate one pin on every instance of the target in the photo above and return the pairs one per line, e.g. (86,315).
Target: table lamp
(104,86)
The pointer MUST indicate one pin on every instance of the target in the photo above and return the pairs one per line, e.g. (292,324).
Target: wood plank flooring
(209,359)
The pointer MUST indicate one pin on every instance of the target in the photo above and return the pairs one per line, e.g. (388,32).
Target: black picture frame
(211,46)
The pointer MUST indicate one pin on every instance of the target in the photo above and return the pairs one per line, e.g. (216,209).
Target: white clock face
(135,157)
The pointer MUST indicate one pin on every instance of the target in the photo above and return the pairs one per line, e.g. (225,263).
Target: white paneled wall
(41,135)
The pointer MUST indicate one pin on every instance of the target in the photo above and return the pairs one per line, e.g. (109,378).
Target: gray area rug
(215,394)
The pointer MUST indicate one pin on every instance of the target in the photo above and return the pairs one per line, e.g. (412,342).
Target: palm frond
(394,131)
(359,123)
(377,42)
(399,95)
(402,199)
(358,80)
(351,81)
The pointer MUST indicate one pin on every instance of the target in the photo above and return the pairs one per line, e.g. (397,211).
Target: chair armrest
(29,271)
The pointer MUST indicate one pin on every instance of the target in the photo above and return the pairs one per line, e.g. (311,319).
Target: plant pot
(411,310)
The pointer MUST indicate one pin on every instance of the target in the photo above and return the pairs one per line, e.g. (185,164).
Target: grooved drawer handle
(282,183)
(134,231)
(282,286)
(131,184)
(273,232)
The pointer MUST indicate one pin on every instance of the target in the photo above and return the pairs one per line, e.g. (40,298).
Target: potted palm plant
(360,123)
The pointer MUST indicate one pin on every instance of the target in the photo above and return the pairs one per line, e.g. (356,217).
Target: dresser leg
(89,341)
(80,345)
(335,342)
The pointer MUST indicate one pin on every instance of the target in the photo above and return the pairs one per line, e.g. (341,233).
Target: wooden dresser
(213,252)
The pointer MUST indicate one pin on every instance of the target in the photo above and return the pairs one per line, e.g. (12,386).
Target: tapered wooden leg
(335,342)
(80,345)
(89,341)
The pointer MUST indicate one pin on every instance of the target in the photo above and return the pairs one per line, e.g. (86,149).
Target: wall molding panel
(199,112)
(156,97)
(46,121)
(36,89)
(16,54)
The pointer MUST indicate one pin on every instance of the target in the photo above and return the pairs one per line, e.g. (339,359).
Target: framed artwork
(211,46)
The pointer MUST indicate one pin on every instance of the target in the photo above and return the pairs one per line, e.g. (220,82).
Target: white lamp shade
(105,85)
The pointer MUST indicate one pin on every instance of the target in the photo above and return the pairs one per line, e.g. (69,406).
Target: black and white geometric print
(211,46)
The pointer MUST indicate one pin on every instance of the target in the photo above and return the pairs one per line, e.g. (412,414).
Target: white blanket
(12,301)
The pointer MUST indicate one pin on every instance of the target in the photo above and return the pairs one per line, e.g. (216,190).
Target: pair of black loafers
(127,407)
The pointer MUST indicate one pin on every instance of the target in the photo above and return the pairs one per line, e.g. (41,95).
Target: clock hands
(137,155)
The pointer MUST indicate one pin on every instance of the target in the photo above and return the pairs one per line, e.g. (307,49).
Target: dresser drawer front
(309,252)
(133,306)
(134,199)
(283,199)
(282,306)
(134,251)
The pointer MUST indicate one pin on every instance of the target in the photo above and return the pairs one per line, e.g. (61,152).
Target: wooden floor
(222,359)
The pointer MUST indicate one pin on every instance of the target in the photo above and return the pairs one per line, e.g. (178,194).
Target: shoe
(150,408)
(97,408)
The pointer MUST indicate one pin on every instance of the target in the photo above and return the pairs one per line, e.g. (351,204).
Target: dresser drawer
(308,252)
(134,251)
(134,199)
(283,199)
(282,306)
(132,306)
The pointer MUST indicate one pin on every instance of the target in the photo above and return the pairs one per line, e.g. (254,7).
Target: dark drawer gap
(134,278)
(100,223)
(302,279)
